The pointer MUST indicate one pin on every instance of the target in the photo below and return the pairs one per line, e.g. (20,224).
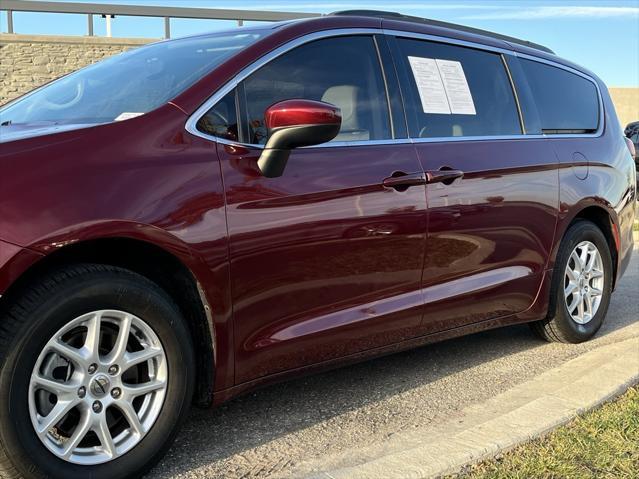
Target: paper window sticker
(429,85)
(126,116)
(456,86)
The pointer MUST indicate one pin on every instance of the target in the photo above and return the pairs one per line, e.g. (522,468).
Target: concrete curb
(522,413)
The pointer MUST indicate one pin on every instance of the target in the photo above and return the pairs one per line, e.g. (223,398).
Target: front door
(326,261)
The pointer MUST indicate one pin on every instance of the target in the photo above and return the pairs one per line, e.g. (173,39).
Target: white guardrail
(110,11)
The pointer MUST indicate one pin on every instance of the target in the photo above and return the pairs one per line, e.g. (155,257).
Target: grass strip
(602,444)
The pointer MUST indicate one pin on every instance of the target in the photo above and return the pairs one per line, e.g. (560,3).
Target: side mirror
(293,124)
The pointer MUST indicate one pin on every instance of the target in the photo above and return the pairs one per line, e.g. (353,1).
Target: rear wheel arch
(572,284)
(156,264)
(601,217)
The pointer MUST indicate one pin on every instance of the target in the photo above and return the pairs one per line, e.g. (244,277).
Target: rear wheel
(96,374)
(581,286)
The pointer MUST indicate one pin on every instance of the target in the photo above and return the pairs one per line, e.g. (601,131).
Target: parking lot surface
(268,432)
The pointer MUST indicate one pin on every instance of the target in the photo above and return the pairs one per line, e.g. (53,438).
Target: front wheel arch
(32,321)
(154,263)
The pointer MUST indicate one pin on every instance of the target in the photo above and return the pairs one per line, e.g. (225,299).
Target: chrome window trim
(332,144)
(380,62)
(399,141)
(513,88)
(444,139)
(191,123)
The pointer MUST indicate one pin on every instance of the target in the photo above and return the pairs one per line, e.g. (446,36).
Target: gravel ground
(265,433)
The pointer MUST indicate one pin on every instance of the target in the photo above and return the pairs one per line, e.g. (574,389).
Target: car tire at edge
(32,318)
(559,325)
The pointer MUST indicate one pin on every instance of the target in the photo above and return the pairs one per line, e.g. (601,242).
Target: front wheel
(581,286)
(96,374)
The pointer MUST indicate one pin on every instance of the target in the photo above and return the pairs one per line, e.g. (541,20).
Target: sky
(601,35)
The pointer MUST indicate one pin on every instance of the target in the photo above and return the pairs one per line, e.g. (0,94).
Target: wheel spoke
(70,353)
(572,286)
(55,387)
(580,307)
(595,273)
(55,416)
(576,299)
(589,302)
(133,391)
(131,417)
(577,260)
(92,342)
(596,292)
(81,430)
(104,435)
(572,275)
(583,257)
(591,261)
(119,348)
(132,359)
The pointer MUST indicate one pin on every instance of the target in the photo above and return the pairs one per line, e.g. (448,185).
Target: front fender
(14,261)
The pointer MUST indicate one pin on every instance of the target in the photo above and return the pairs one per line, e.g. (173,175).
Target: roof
(438,23)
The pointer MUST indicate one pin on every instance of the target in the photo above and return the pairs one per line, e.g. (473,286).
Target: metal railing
(110,11)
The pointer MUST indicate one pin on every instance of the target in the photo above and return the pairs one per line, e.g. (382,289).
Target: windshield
(129,84)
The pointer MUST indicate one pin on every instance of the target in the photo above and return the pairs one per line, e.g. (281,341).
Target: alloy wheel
(98,387)
(584,282)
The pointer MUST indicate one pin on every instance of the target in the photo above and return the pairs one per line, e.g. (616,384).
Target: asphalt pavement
(269,432)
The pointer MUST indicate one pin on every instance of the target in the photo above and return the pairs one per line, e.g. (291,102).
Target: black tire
(559,326)
(34,317)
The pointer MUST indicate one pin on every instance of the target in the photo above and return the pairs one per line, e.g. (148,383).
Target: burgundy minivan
(198,217)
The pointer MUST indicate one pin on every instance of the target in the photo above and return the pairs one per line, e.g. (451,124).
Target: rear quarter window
(566,102)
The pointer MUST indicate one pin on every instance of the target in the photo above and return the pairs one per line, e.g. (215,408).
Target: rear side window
(343,71)
(566,102)
(456,91)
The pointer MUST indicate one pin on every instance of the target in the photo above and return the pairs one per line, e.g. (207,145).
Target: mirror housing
(294,124)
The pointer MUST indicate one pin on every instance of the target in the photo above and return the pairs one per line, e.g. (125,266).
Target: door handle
(401,181)
(443,175)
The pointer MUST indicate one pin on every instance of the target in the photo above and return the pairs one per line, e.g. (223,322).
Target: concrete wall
(626,102)
(28,61)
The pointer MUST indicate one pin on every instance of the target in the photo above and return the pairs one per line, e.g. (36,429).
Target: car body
(632,133)
(630,128)
(389,237)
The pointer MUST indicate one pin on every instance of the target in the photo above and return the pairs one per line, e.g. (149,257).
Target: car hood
(21,131)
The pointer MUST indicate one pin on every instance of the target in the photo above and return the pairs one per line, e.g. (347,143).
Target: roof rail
(438,23)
